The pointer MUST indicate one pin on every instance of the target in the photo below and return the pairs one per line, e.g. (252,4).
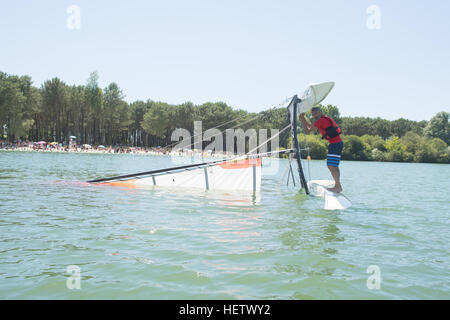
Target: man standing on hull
(329,131)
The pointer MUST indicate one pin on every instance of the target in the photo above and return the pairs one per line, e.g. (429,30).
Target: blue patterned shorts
(334,154)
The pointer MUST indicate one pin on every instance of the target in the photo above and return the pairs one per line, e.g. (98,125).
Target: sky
(390,62)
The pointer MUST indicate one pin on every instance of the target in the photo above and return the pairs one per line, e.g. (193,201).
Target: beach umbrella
(87,146)
(101,147)
(53,143)
(41,142)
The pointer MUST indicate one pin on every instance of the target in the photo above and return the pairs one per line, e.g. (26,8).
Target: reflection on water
(217,197)
(236,226)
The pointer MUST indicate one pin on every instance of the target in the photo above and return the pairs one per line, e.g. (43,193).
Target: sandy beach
(28,146)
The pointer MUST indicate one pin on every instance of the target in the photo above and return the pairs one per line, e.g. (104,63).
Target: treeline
(412,147)
(55,111)
(378,139)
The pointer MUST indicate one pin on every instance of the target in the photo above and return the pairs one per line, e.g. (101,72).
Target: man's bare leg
(336,176)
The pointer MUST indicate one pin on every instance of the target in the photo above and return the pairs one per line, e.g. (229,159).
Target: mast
(292,114)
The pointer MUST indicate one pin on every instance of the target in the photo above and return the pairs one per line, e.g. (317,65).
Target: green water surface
(187,244)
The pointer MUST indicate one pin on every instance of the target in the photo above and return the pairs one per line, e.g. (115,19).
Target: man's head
(316,112)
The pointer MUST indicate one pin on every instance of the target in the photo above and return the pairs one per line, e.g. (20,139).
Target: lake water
(182,244)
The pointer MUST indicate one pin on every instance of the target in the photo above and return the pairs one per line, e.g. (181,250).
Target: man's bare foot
(335,189)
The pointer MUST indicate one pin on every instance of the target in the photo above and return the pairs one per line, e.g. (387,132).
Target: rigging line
(271,138)
(256,155)
(135,175)
(198,164)
(276,106)
(232,120)
(184,167)
(291,171)
(265,154)
(308,155)
(286,135)
(201,133)
(215,135)
(179,168)
(284,175)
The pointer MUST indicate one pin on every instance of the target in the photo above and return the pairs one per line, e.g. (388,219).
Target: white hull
(333,201)
(242,175)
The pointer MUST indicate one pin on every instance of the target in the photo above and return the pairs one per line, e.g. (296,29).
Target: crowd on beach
(43,146)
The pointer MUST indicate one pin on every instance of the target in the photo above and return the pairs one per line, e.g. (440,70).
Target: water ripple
(183,244)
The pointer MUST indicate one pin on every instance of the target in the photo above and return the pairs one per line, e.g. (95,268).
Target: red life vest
(332,131)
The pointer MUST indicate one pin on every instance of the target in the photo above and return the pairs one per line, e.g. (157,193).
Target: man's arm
(308,127)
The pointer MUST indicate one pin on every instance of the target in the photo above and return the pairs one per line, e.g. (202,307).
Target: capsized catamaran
(239,173)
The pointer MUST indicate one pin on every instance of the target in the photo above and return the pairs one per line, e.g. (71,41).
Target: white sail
(313,95)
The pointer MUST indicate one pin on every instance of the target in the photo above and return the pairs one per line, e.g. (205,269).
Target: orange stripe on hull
(241,164)
(125,183)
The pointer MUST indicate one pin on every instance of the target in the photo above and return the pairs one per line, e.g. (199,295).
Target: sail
(313,95)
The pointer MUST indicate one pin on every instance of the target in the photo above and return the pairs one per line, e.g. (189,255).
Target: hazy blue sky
(249,54)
